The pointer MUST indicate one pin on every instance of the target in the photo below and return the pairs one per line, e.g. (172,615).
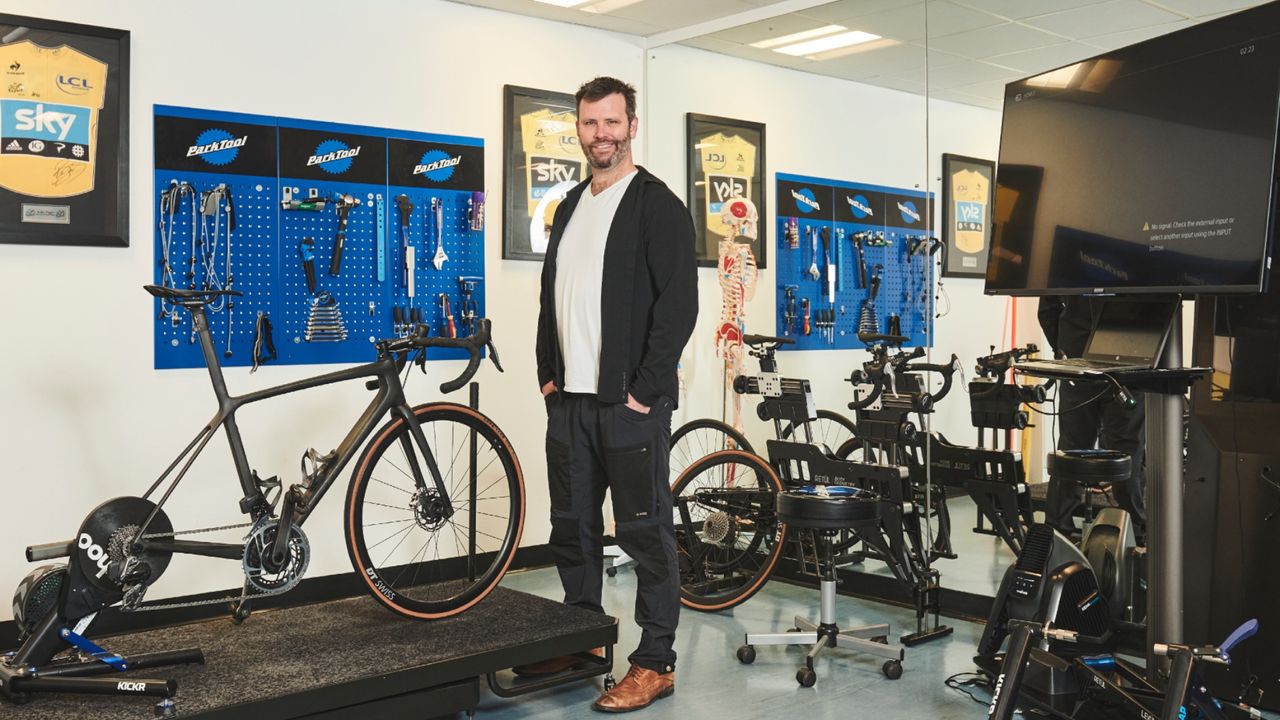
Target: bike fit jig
(336,234)
(852,258)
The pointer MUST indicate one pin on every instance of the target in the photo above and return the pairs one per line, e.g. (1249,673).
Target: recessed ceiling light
(831,42)
(562,3)
(798,37)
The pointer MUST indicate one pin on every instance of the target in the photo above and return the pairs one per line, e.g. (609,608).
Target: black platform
(341,659)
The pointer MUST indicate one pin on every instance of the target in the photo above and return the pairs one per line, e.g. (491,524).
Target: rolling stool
(826,510)
(1093,470)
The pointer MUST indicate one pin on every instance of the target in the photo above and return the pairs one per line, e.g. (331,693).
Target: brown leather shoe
(637,690)
(555,665)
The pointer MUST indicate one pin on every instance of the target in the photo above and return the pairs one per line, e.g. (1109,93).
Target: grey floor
(711,682)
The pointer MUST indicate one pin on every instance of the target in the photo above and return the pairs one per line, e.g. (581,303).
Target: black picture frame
(698,128)
(530,171)
(35,214)
(967,226)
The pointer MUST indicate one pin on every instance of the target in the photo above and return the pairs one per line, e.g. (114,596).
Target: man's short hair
(604,86)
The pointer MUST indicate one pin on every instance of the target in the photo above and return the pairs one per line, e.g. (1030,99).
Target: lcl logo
(73,85)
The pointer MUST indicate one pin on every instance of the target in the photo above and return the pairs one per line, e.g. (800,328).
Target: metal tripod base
(868,639)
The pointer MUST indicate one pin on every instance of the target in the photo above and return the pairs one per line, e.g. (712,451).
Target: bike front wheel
(419,554)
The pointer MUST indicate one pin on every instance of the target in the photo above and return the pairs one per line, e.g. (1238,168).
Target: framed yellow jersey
(63,133)
(967,199)
(725,160)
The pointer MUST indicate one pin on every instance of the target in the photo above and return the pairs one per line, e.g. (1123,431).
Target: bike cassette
(720,529)
(264,575)
(104,552)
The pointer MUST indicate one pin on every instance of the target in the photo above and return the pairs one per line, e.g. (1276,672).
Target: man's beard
(620,150)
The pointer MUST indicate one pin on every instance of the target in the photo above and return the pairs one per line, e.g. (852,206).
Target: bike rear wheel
(728,539)
(698,438)
(418,556)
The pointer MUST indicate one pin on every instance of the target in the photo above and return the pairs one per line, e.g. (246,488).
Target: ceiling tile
(1111,41)
(714,44)
(905,24)
(946,18)
(1094,20)
(1038,60)
(842,10)
(766,29)
(907,84)
(679,13)
(1019,9)
(968,73)
(994,40)
(893,60)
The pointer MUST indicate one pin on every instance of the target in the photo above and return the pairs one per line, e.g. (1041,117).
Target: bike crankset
(260,570)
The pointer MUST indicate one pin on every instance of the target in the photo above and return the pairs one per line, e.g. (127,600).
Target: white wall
(86,418)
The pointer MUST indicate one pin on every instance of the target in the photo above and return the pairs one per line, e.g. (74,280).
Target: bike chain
(244,593)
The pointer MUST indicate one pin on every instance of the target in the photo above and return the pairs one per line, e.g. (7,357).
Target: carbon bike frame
(389,399)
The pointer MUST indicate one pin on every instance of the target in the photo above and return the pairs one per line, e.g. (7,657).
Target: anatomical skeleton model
(737,273)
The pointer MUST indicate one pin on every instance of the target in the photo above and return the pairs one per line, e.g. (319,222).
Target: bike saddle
(870,338)
(757,340)
(189,296)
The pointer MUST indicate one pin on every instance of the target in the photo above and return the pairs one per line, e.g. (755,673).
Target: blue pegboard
(890,221)
(264,163)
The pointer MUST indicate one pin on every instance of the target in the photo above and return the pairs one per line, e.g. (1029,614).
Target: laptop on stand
(1129,334)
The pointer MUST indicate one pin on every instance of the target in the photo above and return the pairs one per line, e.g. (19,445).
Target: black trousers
(594,446)
(1106,424)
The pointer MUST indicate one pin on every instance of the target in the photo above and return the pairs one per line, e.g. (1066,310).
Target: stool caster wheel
(892,669)
(806,677)
(746,654)
(609,682)
(611,571)
(166,708)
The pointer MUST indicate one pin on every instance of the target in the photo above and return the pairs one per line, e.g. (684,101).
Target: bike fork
(420,440)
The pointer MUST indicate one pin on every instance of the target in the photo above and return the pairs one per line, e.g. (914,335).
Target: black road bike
(434,512)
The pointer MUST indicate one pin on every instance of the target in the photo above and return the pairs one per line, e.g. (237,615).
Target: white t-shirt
(579,276)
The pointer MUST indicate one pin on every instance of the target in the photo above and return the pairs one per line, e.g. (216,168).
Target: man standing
(1091,417)
(619,300)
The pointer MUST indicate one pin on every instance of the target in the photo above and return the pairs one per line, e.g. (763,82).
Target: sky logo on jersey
(47,122)
(860,206)
(217,147)
(969,216)
(805,201)
(909,212)
(548,172)
(72,85)
(334,156)
(437,165)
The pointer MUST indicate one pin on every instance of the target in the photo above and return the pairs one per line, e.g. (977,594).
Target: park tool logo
(909,212)
(805,201)
(333,156)
(437,165)
(860,206)
(217,147)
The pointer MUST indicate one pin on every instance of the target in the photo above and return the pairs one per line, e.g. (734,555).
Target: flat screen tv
(1148,169)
